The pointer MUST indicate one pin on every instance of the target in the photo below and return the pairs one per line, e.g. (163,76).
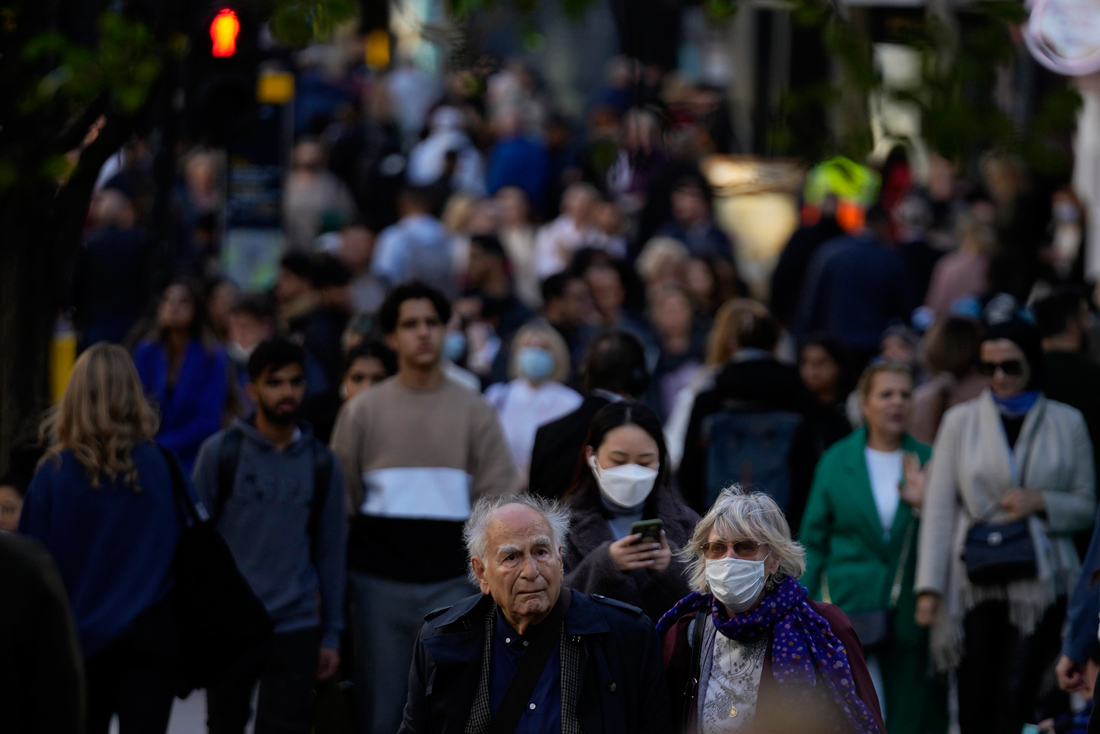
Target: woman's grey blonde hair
(102,415)
(740,514)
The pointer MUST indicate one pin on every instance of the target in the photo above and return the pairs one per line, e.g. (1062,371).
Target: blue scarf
(1016,406)
(803,645)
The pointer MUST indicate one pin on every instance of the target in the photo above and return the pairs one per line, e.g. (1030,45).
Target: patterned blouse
(734,684)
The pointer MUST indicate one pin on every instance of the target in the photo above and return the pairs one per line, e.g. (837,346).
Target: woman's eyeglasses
(1011,367)
(721,548)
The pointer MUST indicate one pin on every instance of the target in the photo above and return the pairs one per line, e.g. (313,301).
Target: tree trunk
(30,274)
(42,225)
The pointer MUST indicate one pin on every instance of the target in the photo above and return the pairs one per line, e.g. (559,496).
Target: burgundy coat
(774,712)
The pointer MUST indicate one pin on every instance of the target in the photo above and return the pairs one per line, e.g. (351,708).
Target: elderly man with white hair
(528,655)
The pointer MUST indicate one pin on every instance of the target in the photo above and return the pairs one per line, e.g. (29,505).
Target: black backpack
(750,444)
(218,615)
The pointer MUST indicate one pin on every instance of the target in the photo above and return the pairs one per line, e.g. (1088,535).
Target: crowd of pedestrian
(510,445)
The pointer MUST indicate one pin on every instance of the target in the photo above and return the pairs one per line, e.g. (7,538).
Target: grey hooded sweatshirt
(265,524)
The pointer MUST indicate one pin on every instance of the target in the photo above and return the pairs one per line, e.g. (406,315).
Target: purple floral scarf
(803,644)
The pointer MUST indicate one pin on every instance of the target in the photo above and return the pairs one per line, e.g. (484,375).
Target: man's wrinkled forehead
(519,525)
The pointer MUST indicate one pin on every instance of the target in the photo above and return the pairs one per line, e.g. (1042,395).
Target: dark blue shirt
(543,712)
(191,410)
(521,162)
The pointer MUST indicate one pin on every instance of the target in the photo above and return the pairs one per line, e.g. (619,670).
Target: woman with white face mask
(535,395)
(623,478)
(746,650)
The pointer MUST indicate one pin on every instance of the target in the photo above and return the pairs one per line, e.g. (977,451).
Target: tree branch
(73,134)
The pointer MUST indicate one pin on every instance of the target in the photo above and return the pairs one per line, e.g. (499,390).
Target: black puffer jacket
(757,385)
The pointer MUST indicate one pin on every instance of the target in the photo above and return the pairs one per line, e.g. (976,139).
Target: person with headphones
(627,524)
(614,369)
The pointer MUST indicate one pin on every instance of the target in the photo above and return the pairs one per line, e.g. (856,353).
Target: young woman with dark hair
(183,372)
(623,477)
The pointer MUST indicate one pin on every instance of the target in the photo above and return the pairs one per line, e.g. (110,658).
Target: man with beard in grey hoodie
(275,493)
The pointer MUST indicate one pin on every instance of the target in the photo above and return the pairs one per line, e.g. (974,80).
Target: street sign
(256,163)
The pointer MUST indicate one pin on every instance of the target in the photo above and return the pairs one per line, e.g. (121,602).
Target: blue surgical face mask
(454,346)
(535,363)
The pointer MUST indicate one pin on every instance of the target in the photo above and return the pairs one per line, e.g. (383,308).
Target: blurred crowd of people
(481,297)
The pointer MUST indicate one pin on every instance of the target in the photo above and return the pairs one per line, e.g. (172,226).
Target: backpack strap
(691,691)
(185,508)
(322,478)
(229,455)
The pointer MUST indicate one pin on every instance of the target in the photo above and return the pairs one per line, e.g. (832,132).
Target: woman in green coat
(860,532)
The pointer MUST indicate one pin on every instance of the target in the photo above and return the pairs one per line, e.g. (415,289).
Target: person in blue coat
(1079,642)
(184,374)
(102,504)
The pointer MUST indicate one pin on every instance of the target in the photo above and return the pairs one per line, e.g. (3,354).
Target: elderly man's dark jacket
(621,685)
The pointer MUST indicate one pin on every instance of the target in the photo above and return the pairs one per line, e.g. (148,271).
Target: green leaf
(292,25)
(299,22)
(720,10)
(57,167)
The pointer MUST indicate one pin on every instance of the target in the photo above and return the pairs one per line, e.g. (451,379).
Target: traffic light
(223,33)
(221,70)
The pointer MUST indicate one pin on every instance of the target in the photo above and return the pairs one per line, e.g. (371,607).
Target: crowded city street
(550,367)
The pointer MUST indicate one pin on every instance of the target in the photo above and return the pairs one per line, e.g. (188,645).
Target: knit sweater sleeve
(1072,510)
(348,436)
(940,510)
(34,520)
(493,470)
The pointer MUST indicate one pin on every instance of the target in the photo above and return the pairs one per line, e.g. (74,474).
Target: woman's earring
(769,584)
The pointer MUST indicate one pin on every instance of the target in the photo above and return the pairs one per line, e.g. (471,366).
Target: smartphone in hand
(650,530)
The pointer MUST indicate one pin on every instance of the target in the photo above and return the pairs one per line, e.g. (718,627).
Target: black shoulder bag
(527,673)
(876,628)
(996,554)
(219,615)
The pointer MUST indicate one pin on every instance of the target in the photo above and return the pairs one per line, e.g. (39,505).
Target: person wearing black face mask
(622,477)
(1012,479)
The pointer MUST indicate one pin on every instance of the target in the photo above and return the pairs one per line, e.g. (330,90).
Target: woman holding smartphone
(627,522)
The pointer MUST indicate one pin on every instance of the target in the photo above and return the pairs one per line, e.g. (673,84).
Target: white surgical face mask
(239,354)
(625,486)
(735,582)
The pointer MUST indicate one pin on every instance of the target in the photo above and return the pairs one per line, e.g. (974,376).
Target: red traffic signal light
(223,32)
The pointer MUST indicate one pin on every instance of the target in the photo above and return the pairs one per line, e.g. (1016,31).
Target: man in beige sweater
(417,451)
